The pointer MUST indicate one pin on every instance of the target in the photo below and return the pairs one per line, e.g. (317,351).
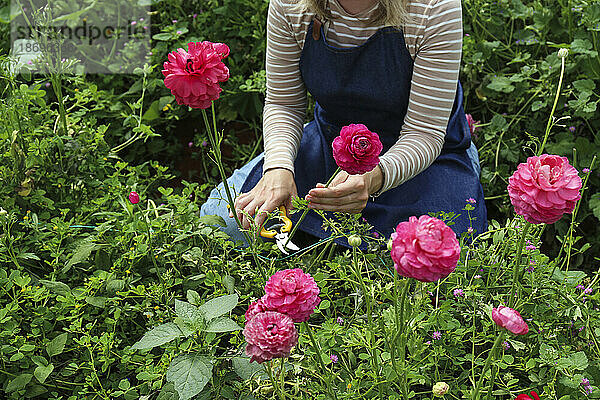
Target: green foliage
(510,73)
(105,299)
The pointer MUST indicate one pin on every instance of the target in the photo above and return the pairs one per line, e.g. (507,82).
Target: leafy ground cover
(103,298)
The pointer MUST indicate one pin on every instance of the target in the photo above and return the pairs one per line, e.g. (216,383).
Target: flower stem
(291,235)
(317,350)
(549,124)
(368,302)
(215,142)
(486,366)
(400,329)
(274,380)
(517,264)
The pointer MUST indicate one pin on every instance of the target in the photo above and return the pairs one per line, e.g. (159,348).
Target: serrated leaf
(189,373)
(213,220)
(219,306)
(42,373)
(188,313)
(223,324)
(584,85)
(56,287)
(18,383)
(158,336)
(57,345)
(245,369)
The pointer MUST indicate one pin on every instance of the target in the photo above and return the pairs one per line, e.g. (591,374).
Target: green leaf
(584,85)
(246,369)
(594,205)
(223,324)
(42,373)
(158,336)
(81,253)
(115,285)
(162,36)
(501,84)
(537,105)
(189,373)
(213,220)
(96,301)
(229,283)
(193,297)
(219,306)
(577,361)
(188,313)
(571,278)
(56,287)
(168,392)
(57,345)
(18,383)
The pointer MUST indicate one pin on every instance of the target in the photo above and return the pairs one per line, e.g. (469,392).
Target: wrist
(375,181)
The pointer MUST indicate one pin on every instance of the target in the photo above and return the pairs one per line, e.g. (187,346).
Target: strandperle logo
(84,36)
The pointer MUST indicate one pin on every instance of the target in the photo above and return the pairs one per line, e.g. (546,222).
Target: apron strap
(316,31)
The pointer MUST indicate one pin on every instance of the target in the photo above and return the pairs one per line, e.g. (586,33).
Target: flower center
(189,66)
(272,328)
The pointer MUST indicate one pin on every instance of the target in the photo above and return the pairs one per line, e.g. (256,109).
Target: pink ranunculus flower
(292,292)
(510,319)
(269,335)
(544,188)
(425,249)
(194,75)
(472,123)
(134,198)
(356,150)
(254,308)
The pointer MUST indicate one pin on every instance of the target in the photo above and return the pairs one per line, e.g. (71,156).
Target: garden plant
(113,287)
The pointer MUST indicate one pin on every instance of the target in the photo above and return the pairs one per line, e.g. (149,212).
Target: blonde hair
(389,12)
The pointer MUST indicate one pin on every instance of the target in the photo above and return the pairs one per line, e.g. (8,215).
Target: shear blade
(281,240)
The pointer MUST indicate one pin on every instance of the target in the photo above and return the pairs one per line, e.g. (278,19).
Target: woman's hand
(346,193)
(277,187)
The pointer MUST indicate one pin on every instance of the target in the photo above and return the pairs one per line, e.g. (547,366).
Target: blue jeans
(216,204)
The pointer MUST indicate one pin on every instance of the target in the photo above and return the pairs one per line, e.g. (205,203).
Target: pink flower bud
(134,198)
(510,319)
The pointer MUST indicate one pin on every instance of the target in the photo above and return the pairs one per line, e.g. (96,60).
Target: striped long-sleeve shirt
(433,36)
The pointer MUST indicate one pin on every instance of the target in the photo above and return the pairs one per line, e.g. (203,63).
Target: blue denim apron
(370,84)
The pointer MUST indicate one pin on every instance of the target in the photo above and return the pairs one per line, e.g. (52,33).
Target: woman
(391,65)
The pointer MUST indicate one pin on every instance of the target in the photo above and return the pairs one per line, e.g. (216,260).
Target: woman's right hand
(277,187)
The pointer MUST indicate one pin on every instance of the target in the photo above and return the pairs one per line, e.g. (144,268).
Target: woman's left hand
(346,193)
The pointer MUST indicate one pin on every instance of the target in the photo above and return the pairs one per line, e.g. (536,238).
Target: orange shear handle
(287,225)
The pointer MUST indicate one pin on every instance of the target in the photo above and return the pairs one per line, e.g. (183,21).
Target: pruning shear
(280,232)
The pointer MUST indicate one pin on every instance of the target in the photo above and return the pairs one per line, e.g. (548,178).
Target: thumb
(341,177)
